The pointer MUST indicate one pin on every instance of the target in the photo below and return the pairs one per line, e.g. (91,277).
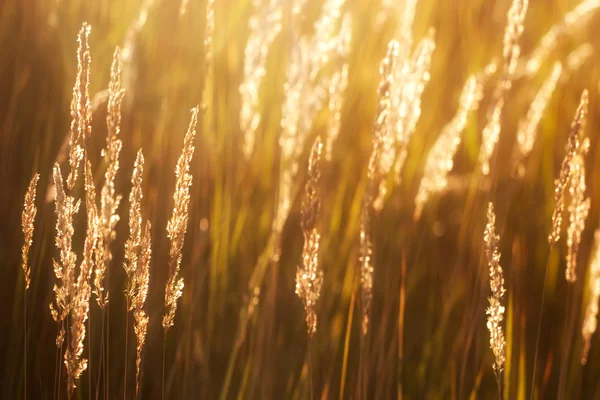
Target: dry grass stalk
(374,174)
(265,25)
(177,225)
(134,242)
(590,320)
(440,159)
(495,311)
(75,364)
(141,281)
(27,220)
(410,76)
(109,200)
(578,209)
(528,126)
(573,19)
(409,106)
(560,184)
(309,277)
(81,112)
(138,253)
(306,91)
(511,52)
(66,208)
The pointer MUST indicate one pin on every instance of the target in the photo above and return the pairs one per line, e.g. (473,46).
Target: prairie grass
(385,245)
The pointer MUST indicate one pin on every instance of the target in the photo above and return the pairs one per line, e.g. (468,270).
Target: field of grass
(240,329)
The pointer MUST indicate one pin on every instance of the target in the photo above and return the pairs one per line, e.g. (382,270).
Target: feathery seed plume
(495,311)
(134,242)
(578,209)
(528,126)
(64,269)
(575,18)
(374,174)
(75,364)
(306,91)
(411,73)
(81,111)
(141,281)
(109,200)
(560,184)
(511,51)
(265,25)
(440,159)
(177,225)
(309,277)
(27,220)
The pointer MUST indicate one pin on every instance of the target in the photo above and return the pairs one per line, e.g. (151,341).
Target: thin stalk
(126,340)
(25,344)
(310,371)
(101,360)
(107,359)
(60,352)
(401,324)
(347,344)
(163,365)
(89,321)
(499,385)
(537,340)
(56,366)
(565,345)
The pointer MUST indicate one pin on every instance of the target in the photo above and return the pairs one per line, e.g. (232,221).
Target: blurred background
(438,261)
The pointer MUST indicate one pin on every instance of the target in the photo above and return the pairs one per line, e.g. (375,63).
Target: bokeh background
(438,261)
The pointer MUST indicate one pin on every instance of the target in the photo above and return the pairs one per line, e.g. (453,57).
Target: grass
(240,330)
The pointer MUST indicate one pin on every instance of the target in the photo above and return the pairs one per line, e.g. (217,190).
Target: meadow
(299,199)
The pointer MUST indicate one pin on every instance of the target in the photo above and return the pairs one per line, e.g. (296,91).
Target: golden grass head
(81,110)
(495,311)
(142,280)
(177,225)
(80,307)
(578,209)
(528,126)
(109,200)
(309,277)
(27,220)
(134,242)
(440,159)
(64,290)
(560,184)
